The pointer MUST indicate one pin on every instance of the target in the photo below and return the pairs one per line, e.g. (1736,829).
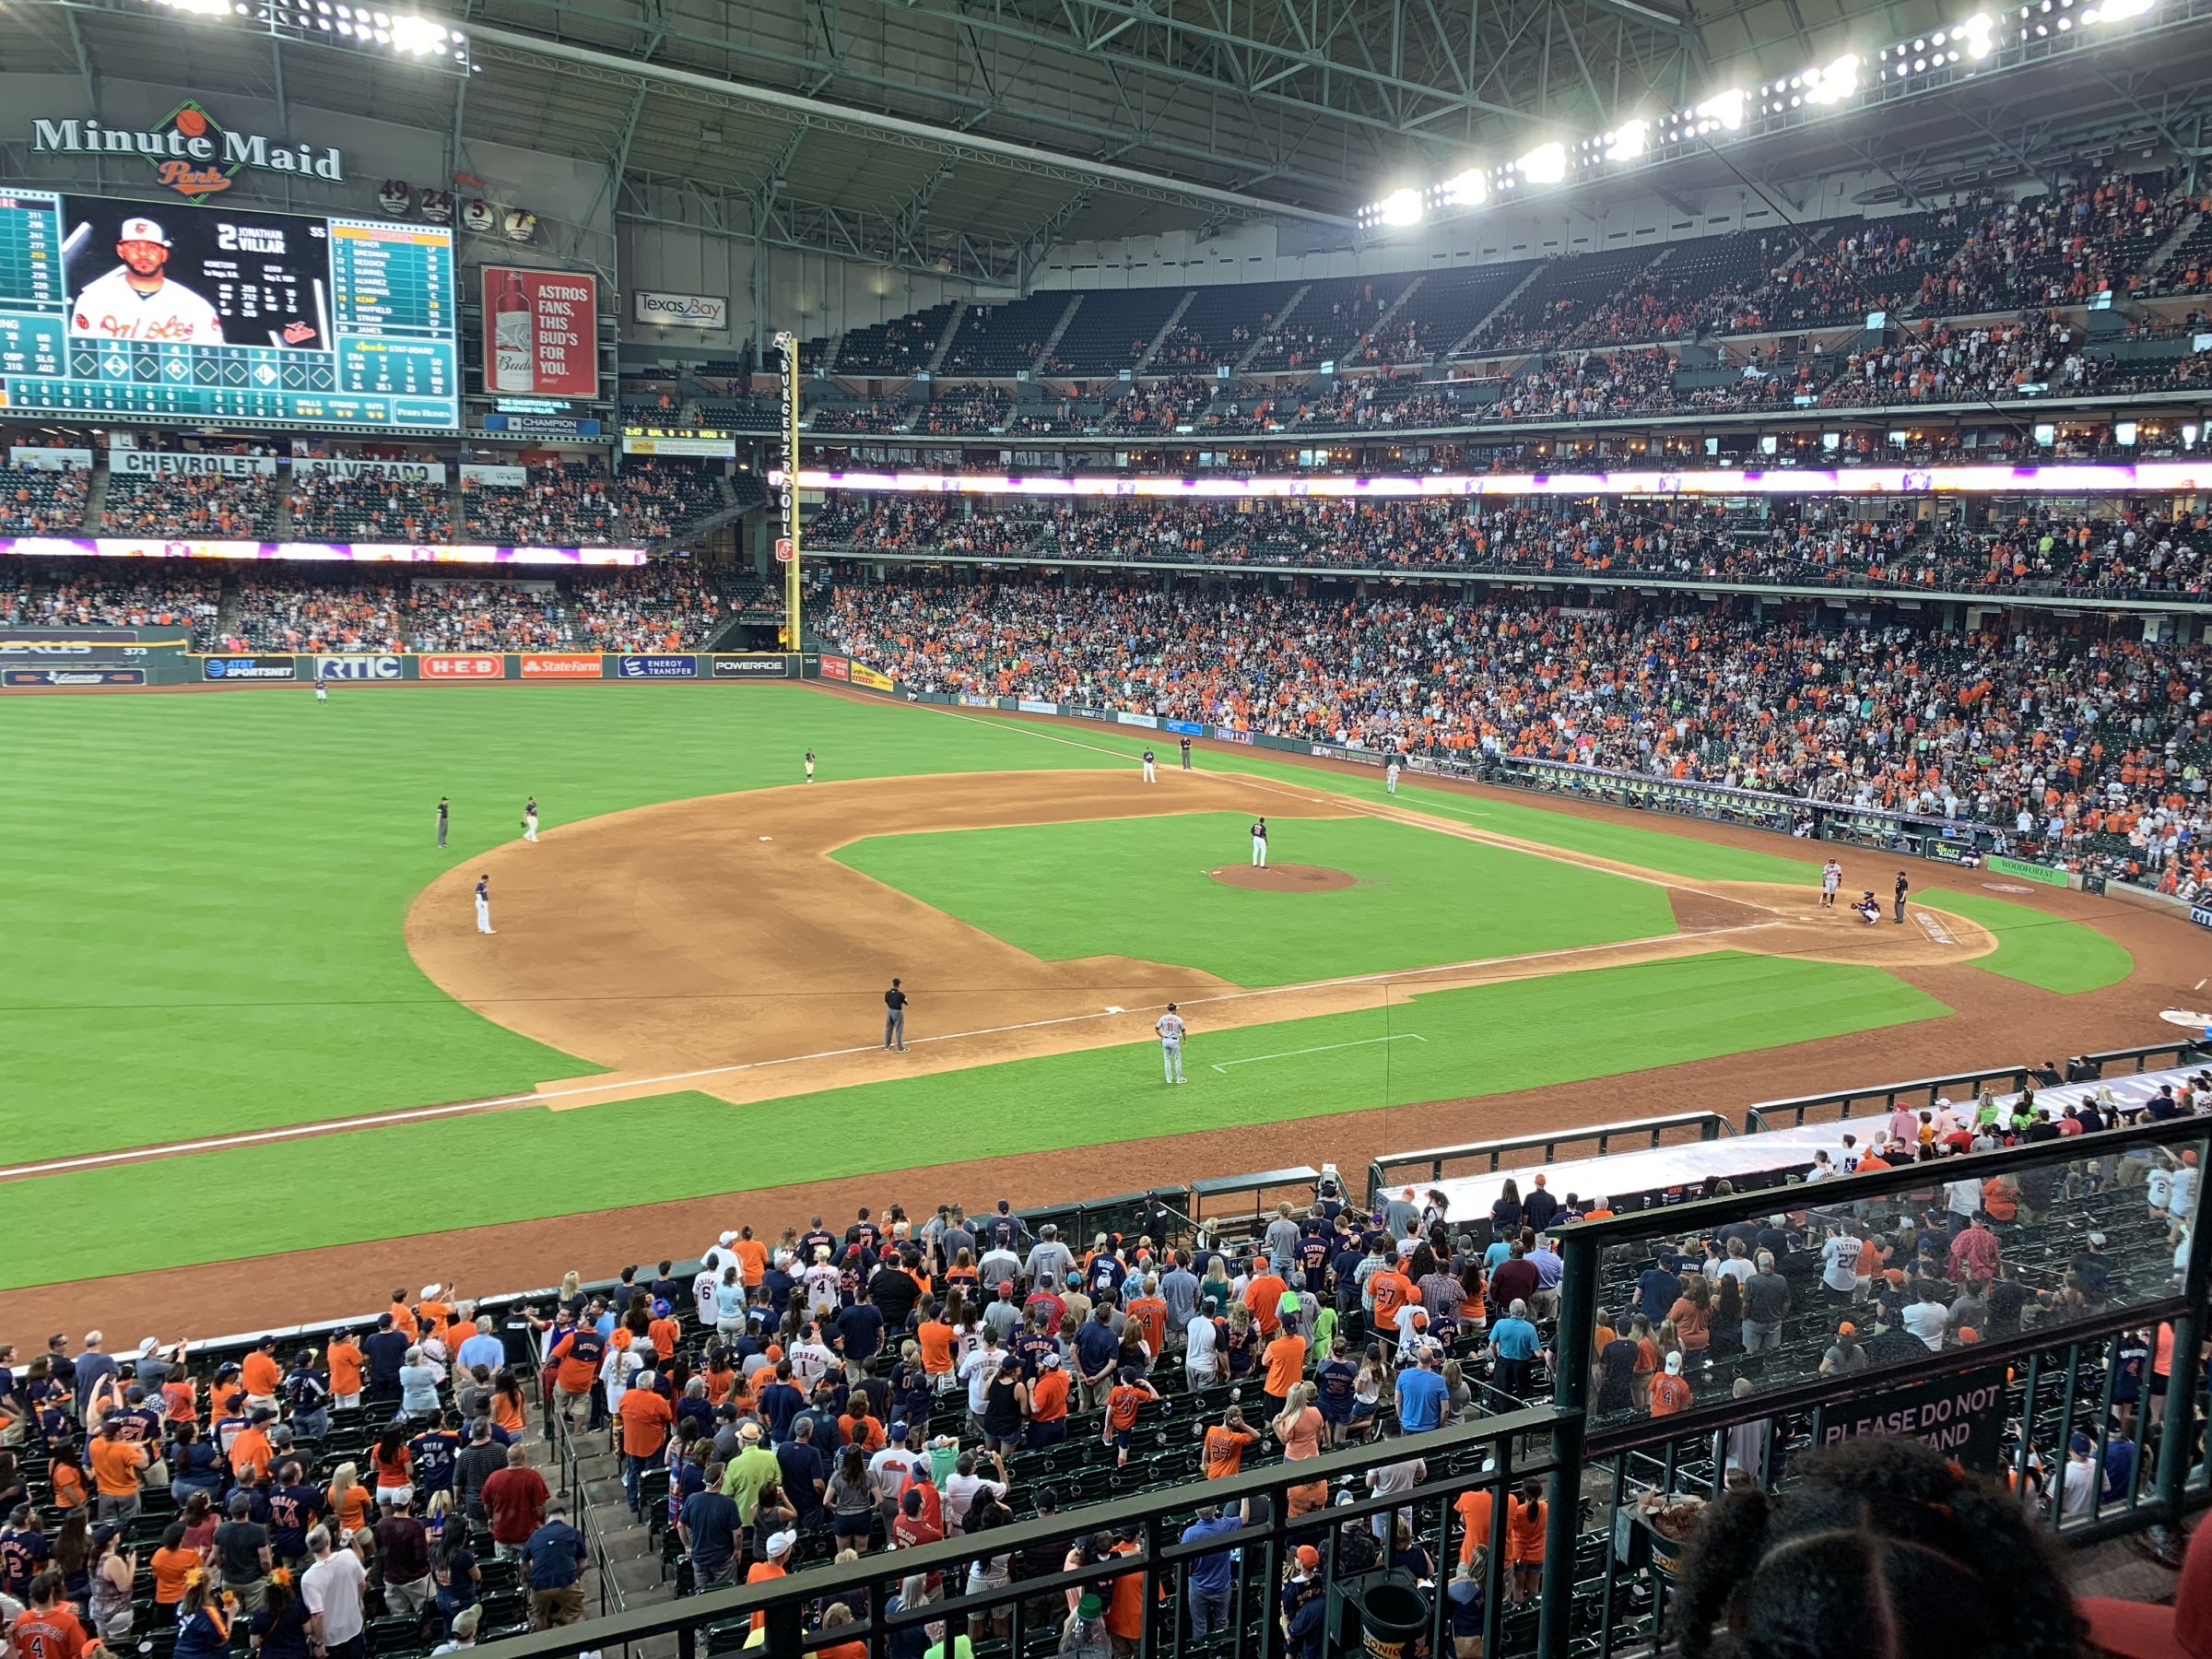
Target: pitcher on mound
(1259,843)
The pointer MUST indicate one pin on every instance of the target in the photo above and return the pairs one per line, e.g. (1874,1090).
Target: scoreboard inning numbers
(158,311)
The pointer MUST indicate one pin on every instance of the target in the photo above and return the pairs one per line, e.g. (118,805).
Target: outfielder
(530,820)
(444,809)
(136,300)
(1259,843)
(809,765)
(1149,776)
(1170,1027)
(322,690)
(1832,877)
(484,904)
(1390,776)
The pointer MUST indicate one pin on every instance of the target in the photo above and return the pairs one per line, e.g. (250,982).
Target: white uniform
(484,906)
(1832,877)
(1148,775)
(1259,845)
(1390,777)
(1170,1027)
(110,308)
(322,692)
(530,823)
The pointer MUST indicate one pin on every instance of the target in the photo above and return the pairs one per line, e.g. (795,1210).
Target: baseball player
(1832,877)
(138,301)
(1150,776)
(1186,751)
(322,690)
(809,765)
(1259,843)
(894,1016)
(484,904)
(442,810)
(1390,776)
(1170,1029)
(530,820)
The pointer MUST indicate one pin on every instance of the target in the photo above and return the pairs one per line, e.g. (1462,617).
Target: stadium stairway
(952,329)
(284,515)
(1482,322)
(1358,349)
(96,494)
(1166,329)
(1044,354)
(1262,335)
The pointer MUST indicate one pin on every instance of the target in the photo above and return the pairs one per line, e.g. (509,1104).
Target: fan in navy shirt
(1313,1251)
(781,1403)
(293,1509)
(857,1332)
(1105,1274)
(434,1451)
(387,1350)
(1657,1288)
(816,1238)
(1347,1278)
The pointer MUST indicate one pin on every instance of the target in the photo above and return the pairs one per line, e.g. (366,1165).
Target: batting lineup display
(162,311)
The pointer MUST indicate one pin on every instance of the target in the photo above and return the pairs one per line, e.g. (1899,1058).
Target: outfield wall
(120,661)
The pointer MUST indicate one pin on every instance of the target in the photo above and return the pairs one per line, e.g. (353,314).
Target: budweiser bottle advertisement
(514,338)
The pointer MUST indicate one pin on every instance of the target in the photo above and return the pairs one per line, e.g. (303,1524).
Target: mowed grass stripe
(207,894)
(1486,1040)
(1139,888)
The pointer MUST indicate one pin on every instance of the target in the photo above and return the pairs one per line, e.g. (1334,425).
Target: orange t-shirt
(646,1418)
(1048,1396)
(1152,1313)
(1125,1609)
(249,1451)
(665,1334)
(1225,1451)
(345,1360)
(1121,1407)
(1525,1532)
(260,1375)
(1473,1508)
(115,1465)
(1391,1290)
(760,1572)
(352,1514)
(1286,1364)
(936,1341)
(394,1473)
(402,1318)
(753,1255)
(171,1567)
(507,1413)
(1263,1295)
(1670,1394)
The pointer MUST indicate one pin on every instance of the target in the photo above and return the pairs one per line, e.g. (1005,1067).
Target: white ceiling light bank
(1737,111)
(405,34)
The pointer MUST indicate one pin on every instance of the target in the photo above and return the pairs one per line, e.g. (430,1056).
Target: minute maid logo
(192,153)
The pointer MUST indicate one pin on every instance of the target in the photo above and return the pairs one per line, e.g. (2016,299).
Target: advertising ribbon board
(2026,871)
(249,668)
(864,676)
(462,666)
(657,667)
(565,664)
(836,669)
(356,668)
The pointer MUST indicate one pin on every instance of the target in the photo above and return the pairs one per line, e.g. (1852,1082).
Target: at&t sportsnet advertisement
(172,311)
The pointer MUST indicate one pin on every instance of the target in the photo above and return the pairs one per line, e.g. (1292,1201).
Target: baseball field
(248,1013)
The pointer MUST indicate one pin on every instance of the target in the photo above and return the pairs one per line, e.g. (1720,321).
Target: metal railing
(569,1464)
(1488,1156)
(1921,1092)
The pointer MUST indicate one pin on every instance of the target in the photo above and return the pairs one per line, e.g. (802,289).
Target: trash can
(1387,1616)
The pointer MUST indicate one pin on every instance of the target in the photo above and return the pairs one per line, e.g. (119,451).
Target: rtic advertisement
(356,668)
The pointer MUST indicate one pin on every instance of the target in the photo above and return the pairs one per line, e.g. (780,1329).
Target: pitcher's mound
(1283,877)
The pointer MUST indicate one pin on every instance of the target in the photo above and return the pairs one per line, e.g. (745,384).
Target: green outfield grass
(1486,1041)
(1139,888)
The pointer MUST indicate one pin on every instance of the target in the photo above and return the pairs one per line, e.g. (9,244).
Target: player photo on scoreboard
(196,275)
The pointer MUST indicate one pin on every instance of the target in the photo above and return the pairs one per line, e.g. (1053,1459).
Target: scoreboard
(172,311)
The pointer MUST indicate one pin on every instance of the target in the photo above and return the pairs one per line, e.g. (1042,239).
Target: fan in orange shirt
(1225,1445)
(344,1357)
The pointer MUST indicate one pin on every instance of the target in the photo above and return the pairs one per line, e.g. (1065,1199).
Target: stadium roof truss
(970,136)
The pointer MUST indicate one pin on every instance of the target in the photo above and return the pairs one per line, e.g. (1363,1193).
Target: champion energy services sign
(190,151)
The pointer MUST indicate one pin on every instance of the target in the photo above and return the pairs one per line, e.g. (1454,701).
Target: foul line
(1223,1065)
(536,1097)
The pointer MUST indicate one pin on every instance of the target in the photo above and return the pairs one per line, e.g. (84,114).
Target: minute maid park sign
(191,152)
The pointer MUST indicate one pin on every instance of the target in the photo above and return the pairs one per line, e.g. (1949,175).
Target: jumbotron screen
(154,310)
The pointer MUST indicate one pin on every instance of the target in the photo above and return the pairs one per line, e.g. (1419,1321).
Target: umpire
(894,1017)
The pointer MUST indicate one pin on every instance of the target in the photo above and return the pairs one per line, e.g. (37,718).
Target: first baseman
(1170,1027)
(530,820)
(1149,776)
(484,904)
(1259,843)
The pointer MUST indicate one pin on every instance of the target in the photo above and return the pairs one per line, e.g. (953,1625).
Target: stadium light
(1400,209)
(1469,189)
(1547,164)
(2117,11)
(1626,141)
(1725,111)
(1979,34)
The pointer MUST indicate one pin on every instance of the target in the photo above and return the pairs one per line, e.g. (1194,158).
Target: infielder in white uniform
(1832,877)
(138,301)
(1259,843)
(530,820)
(1149,777)
(1170,1027)
(484,904)
(1390,776)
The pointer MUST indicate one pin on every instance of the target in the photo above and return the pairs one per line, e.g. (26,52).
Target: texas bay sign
(192,153)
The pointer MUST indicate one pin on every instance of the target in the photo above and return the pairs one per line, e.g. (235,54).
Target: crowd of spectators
(2064,739)
(664,607)
(44,501)
(181,505)
(965,407)
(1941,363)
(565,504)
(658,498)
(149,594)
(328,507)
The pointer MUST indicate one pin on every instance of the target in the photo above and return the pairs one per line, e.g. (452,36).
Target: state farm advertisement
(541,333)
(462,665)
(562,665)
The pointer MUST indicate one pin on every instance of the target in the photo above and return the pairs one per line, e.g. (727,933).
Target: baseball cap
(150,1345)
(2145,1630)
(1049,1362)
(142,230)
(1673,1365)
(660,1308)
(1847,1329)
(781,1543)
(1005,1286)
(2096,1238)
(1307,1557)
(429,1290)
(896,1430)
(727,1238)
(2081,1445)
